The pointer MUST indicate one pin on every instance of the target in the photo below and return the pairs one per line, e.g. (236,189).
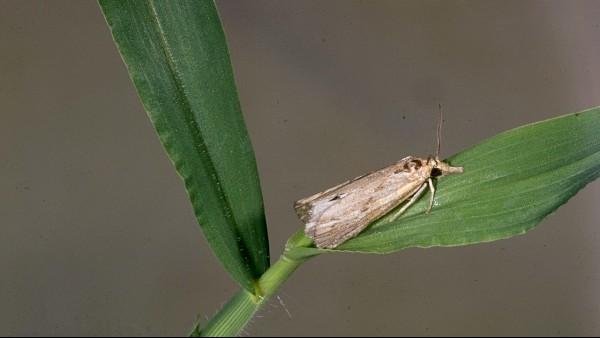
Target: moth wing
(341,212)
(339,223)
(305,206)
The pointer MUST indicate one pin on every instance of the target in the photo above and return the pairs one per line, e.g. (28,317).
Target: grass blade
(177,57)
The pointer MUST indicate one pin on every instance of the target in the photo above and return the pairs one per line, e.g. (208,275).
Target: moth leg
(432,194)
(412,200)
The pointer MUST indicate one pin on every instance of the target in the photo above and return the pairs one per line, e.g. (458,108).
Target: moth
(337,214)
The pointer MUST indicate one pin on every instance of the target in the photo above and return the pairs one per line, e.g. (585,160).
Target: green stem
(234,316)
(231,318)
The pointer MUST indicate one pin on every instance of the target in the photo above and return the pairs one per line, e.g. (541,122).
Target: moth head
(440,168)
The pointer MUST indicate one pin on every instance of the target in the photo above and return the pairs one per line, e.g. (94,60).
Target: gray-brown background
(97,236)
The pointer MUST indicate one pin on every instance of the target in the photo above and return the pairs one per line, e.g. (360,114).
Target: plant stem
(231,318)
(234,316)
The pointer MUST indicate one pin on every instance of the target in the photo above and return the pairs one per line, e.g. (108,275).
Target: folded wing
(340,213)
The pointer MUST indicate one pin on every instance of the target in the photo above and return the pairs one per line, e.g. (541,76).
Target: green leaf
(510,183)
(177,57)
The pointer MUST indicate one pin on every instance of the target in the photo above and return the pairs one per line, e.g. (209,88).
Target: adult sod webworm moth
(337,214)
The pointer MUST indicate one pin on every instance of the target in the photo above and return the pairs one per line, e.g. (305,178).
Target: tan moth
(337,214)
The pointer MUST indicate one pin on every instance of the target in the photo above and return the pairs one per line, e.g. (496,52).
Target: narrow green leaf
(510,183)
(177,57)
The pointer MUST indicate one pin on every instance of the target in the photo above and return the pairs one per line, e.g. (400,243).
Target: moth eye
(435,172)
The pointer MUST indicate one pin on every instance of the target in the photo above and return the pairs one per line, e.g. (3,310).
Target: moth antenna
(439,132)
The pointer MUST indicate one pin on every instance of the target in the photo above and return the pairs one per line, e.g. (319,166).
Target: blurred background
(97,236)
